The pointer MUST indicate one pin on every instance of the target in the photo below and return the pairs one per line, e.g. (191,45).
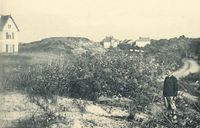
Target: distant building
(142,41)
(130,42)
(8,34)
(109,42)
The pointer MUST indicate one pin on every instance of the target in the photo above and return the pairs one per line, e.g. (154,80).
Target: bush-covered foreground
(116,74)
(89,77)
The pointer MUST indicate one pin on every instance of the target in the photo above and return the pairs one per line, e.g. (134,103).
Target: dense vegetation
(117,73)
(195,48)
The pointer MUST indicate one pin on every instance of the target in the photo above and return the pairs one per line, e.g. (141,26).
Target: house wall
(0,41)
(141,43)
(10,44)
(114,44)
(106,44)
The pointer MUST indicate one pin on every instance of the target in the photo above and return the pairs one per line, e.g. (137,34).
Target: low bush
(90,76)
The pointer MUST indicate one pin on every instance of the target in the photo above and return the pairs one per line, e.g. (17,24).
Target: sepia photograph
(99,64)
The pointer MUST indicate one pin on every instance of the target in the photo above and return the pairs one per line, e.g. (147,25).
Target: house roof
(107,39)
(144,39)
(4,19)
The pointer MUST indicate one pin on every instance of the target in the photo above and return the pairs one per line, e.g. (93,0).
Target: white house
(8,34)
(142,41)
(110,42)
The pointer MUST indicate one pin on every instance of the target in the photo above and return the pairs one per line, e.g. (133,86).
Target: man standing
(170,91)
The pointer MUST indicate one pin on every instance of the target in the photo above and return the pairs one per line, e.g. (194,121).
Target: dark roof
(4,19)
(144,39)
(107,39)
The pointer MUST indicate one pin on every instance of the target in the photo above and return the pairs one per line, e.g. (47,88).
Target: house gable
(8,35)
(109,42)
(143,41)
(4,19)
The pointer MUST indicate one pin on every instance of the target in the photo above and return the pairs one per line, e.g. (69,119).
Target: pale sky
(94,19)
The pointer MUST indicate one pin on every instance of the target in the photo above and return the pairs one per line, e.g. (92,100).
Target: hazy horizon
(95,19)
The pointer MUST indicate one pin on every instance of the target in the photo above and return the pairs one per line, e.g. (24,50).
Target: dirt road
(190,66)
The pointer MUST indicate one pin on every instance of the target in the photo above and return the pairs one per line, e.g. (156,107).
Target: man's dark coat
(170,86)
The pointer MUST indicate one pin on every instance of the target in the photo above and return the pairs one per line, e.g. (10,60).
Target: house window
(13,35)
(6,47)
(13,48)
(9,26)
(7,35)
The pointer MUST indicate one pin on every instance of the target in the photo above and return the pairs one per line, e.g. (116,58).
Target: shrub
(116,73)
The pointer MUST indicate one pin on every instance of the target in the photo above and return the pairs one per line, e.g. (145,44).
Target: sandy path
(190,66)
(15,106)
